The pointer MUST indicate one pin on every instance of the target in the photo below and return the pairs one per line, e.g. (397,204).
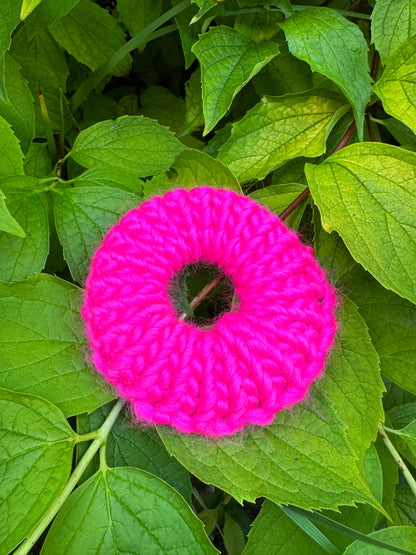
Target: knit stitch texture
(253,361)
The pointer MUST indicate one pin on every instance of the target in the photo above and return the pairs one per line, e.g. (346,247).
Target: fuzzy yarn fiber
(252,362)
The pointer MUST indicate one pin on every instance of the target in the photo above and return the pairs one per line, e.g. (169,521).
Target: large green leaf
(397,86)
(301,458)
(366,192)
(18,111)
(193,168)
(278,129)
(392,23)
(90,34)
(130,444)
(83,215)
(41,344)
(23,256)
(403,537)
(11,156)
(35,462)
(406,508)
(130,143)
(335,47)
(9,18)
(228,61)
(126,510)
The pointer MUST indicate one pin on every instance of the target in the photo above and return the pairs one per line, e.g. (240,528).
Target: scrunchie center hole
(201,293)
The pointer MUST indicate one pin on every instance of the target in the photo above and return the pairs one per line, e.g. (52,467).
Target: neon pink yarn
(253,362)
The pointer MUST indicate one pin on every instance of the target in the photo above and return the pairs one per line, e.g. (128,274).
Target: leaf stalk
(99,441)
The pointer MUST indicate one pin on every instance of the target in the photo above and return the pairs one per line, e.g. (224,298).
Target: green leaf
(274,532)
(126,510)
(83,216)
(37,162)
(335,47)
(7,222)
(46,13)
(130,143)
(406,508)
(35,462)
(397,353)
(44,355)
(302,457)
(366,192)
(259,26)
(91,44)
(160,104)
(353,380)
(193,168)
(331,251)
(11,156)
(278,129)
(383,311)
(401,537)
(228,61)
(392,23)
(408,433)
(204,7)
(27,7)
(9,19)
(103,177)
(130,444)
(21,257)
(397,86)
(284,74)
(194,117)
(403,134)
(18,111)
(138,14)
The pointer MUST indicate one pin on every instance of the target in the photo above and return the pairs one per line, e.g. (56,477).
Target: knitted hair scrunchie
(252,362)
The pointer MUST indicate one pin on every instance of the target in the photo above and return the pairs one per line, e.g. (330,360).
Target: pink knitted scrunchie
(252,362)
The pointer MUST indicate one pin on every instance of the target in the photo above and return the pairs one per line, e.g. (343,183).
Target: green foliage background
(309,108)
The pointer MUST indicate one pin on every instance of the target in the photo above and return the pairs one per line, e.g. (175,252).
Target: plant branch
(395,454)
(144,36)
(47,518)
(203,294)
(306,192)
(294,204)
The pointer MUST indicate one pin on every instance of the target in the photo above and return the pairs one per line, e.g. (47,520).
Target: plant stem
(202,294)
(395,454)
(47,518)
(305,193)
(344,141)
(141,38)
